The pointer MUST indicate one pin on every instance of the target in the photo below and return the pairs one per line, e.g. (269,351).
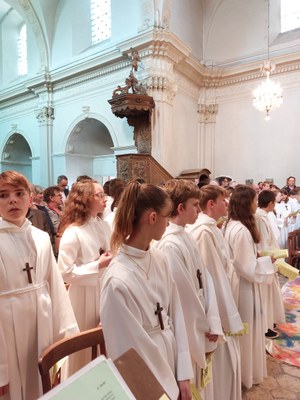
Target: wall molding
(167,63)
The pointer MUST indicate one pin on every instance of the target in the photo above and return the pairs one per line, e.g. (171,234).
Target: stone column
(163,92)
(45,117)
(160,60)
(206,129)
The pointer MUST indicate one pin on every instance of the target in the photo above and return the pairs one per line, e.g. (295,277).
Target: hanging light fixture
(268,95)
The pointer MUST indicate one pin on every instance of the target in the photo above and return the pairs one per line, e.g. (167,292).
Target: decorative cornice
(167,59)
(252,72)
(76,155)
(159,48)
(91,75)
(17,107)
(19,163)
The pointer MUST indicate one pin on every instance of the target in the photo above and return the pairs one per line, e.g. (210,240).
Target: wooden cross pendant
(199,278)
(158,312)
(27,269)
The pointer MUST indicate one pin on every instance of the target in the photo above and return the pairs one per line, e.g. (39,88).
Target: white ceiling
(4,9)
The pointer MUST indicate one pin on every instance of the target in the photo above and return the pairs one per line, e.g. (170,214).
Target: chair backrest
(297,239)
(294,240)
(92,338)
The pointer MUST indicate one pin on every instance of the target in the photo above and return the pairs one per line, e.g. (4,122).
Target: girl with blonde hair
(84,253)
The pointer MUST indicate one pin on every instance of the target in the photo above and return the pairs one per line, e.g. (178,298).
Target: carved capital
(207,113)
(162,88)
(44,114)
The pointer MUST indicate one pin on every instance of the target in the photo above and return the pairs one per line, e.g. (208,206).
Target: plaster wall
(180,148)
(10,28)
(186,21)
(77,165)
(72,36)
(247,146)
(9,47)
(104,167)
(236,31)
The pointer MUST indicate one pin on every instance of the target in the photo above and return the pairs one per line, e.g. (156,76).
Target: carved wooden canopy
(131,104)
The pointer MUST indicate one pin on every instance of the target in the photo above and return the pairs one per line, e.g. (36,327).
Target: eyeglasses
(101,195)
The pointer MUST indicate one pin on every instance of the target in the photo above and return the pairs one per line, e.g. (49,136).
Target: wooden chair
(294,248)
(92,338)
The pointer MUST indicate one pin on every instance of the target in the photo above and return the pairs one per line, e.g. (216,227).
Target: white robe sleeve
(229,314)
(212,309)
(248,266)
(55,314)
(264,235)
(68,254)
(193,310)
(184,370)
(4,380)
(64,321)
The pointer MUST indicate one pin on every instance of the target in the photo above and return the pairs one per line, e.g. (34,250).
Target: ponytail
(135,199)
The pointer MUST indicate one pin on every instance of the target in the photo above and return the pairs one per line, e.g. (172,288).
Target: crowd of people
(179,272)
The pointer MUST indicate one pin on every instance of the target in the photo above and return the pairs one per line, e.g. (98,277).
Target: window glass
(22,51)
(100,20)
(290,15)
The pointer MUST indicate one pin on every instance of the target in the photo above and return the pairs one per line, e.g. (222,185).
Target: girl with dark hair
(116,187)
(139,305)
(83,255)
(250,272)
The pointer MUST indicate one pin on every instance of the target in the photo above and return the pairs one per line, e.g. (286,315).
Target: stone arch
(16,155)
(92,116)
(90,136)
(89,150)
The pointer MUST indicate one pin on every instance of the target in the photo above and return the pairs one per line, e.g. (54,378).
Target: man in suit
(38,219)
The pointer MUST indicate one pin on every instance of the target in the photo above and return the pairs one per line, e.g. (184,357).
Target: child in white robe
(250,272)
(139,305)
(216,258)
(273,302)
(83,255)
(35,310)
(195,285)
(295,209)
(283,211)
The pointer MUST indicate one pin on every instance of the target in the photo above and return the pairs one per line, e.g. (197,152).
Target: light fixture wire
(268,95)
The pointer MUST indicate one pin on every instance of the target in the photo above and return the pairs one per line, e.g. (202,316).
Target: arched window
(290,15)
(22,51)
(100,20)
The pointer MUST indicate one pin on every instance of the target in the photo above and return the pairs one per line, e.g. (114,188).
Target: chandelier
(268,95)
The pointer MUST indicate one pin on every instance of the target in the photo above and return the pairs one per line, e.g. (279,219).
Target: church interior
(150,90)
(200,61)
